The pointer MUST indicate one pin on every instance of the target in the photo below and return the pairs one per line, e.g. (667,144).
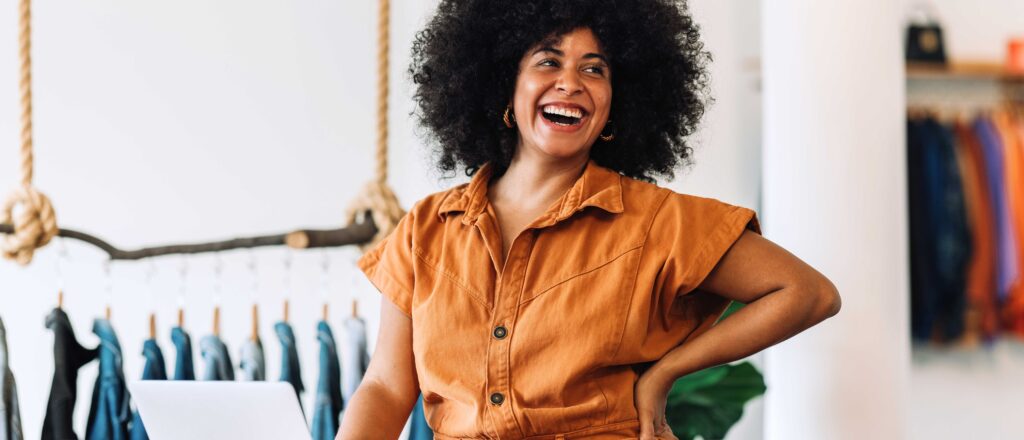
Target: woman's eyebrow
(549,49)
(562,54)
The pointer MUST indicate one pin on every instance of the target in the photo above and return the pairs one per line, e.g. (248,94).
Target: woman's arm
(783,296)
(382,403)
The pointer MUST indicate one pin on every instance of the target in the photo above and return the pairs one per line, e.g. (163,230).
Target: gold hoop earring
(509,121)
(607,137)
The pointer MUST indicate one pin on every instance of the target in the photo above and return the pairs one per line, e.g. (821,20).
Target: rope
(36,223)
(377,197)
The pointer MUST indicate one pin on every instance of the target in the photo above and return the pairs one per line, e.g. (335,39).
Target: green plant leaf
(709,402)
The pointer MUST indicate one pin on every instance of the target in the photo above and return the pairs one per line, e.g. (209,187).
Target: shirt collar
(598,186)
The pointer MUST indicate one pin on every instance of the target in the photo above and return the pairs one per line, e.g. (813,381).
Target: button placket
(506,306)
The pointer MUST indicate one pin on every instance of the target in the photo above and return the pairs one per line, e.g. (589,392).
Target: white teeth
(570,112)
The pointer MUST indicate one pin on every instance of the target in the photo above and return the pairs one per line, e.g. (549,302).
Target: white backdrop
(190,121)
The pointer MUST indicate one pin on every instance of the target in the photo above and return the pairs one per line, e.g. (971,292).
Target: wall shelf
(962,70)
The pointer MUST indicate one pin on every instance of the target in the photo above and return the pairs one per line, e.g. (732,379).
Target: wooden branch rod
(357,233)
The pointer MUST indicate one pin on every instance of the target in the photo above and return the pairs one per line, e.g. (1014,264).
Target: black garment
(68,357)
(940,240)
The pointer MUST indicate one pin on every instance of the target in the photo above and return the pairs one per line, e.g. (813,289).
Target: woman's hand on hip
(650,396)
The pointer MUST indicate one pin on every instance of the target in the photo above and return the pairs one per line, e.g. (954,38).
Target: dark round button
(497,398)
(500,332)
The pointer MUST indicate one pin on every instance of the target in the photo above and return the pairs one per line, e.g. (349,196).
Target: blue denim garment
(418,428)
(109,414)
(183,368)
(328,389)
(68,357)
(154,370)
(217,359)
(290,371)
(10,418)
(252,362)
(354,357)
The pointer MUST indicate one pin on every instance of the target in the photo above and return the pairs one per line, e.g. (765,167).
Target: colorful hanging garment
(1007,269)
(109,414)
(183,367)
(68,357)
(217,360)
(154,369)
(982,320)
(1007,125)
(290,371)
(10,418)
(328,390)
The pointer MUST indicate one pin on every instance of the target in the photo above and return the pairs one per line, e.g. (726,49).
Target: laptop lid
(174,410)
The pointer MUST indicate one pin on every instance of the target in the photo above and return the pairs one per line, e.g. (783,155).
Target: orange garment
(983,316)
(1007,126)
(544,346)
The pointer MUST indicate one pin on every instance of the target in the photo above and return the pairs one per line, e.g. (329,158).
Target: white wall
(834,179)
(976,393)
(190,121)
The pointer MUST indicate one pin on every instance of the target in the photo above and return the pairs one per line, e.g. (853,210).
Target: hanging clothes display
(290,371)
(355,359)
(966,194)
(251,361)
(68,357)
(109,413)
(183,368)
(418,428)
(10,416)
(217,360)
(328,402)
(154,369)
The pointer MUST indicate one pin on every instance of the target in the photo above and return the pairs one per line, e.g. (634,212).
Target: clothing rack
(356,233)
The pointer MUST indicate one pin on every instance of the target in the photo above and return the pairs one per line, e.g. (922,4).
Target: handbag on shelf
(924,38)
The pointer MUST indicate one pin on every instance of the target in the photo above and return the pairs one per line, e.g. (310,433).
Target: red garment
(983,316)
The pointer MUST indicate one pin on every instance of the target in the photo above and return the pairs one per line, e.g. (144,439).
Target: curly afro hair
(465,63)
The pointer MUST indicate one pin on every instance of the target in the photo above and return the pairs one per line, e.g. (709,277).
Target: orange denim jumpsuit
(544,344)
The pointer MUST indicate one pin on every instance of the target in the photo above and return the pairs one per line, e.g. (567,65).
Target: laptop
(175,410)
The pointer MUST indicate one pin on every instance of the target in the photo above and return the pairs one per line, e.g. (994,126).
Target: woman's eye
(548,62)
(595,69)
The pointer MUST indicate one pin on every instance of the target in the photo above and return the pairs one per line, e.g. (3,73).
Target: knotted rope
(377,197)
(35,224)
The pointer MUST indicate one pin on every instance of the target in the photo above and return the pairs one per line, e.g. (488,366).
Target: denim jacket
(328,390)
(290,371)
(109,414)
(183,368)
(10,419)
(155,369)
(217,359)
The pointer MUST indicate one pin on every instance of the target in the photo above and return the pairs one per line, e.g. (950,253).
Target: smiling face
(563,95)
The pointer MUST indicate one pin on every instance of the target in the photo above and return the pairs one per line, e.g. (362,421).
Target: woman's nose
(569,84)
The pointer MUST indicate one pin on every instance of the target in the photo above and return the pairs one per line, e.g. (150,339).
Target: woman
(559,294)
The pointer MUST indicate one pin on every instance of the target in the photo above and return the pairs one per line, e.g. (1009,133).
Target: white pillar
(834,195)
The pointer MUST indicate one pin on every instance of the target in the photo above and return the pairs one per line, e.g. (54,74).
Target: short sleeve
(389,265)
(693,234)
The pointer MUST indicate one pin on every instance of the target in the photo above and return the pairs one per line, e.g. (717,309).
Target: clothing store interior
(216,169)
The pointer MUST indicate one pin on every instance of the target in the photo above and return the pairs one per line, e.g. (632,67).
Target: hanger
(216,320)
(255,334)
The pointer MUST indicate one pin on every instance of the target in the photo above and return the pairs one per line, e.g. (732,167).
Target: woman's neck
(533,181)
